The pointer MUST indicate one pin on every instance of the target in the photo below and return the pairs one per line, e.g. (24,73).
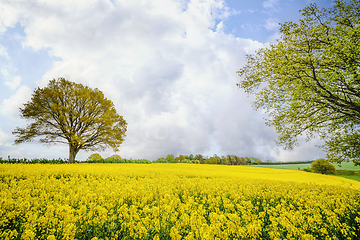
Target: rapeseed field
(174,201)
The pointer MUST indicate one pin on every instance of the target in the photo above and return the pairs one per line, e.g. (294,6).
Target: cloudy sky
(169,66)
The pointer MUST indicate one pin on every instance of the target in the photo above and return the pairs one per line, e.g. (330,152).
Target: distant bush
(94,157)
(323,166)
(115,156)
(308,169)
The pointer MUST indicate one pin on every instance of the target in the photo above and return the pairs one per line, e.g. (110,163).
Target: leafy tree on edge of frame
(309,80)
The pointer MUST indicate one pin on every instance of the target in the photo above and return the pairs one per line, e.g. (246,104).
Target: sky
(169,66)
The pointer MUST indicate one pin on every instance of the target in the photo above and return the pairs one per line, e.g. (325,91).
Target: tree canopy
(323,166)
(308,81)
(67,112)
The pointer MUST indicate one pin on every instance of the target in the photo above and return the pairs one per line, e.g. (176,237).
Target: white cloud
(270,4)
(3,137)
(14,82)
(6,68)
(9,15)
(220,27)
(250,27)
(10,106)
(11,81)
(3,52)
(170,76)
(271,24)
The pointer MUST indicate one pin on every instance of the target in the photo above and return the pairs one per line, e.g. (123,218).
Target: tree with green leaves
(200,158)
(180,158)
(94,157)
(70,113)
(211,160)
(309,80)
(170,158)
(114,156)
(323,166)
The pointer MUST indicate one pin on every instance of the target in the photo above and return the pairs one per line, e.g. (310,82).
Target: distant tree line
(170,158)
(91,159)
(97,158)
(114,160)
(200,159)
(34,160)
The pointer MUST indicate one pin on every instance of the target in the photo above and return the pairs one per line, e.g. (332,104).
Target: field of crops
(342,166)
(174,201)
(346,170)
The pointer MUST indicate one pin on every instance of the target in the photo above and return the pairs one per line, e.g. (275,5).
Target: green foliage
(122,160)
(200,159)
(170,158)
(180,158)
(308,82)
(115,156)
(344,146)
(95,159)
(33,161)
(211,160)
(94,156)
(160,160)
(217,159)
(323,166)
(70,113)
(186,161)
(224,160)
(258,161)
(253,160)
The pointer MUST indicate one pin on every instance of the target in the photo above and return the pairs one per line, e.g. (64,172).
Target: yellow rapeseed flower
(177,201)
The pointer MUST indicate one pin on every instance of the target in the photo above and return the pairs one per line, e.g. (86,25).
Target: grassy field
(346,170)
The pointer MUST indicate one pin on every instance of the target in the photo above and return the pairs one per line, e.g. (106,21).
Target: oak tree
(309,80)
(70,113)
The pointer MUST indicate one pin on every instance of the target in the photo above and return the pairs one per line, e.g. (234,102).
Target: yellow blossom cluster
(174,201)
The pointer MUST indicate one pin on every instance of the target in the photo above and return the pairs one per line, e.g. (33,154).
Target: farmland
(174,201)
(343,166)
(345,169)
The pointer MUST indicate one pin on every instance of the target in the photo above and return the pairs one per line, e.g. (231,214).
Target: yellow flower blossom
(177,201)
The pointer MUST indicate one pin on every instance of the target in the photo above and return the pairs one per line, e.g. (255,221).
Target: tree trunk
(72,153)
